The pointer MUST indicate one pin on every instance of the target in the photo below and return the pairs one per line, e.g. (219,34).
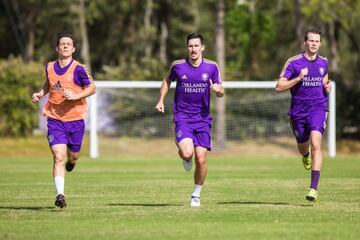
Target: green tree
(250,33)
(17,81)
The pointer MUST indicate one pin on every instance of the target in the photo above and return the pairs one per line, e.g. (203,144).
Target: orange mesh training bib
(58,107)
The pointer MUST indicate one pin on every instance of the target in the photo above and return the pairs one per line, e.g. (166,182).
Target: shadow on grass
(266,203)
(27,208)
(143,204)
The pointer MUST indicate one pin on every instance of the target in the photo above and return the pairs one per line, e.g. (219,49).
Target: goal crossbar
(94,145)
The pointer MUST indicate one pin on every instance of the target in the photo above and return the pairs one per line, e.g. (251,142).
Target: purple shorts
(69,133)
(199,132)
(302,126)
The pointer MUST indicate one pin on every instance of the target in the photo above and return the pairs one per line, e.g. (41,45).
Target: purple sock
(315,176)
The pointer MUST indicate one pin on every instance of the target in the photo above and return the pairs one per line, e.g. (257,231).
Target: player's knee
(186,154)
(73,157)
(315,146)
(200,162)
(59,157)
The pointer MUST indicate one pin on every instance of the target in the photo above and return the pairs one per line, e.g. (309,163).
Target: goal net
(123,120)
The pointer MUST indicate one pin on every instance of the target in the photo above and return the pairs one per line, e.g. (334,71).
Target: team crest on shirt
(204,76)
(50,138)
(322,71)
(179,133)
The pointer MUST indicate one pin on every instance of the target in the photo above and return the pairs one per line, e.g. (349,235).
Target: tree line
(137,40)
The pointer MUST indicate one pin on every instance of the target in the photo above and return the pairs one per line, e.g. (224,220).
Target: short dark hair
(311,30)
(61,35)
(194,35)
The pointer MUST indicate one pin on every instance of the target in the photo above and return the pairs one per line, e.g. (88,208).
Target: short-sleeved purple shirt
(308,93)
(192,94)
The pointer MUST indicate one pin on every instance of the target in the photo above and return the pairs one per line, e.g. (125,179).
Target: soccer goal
(254,114)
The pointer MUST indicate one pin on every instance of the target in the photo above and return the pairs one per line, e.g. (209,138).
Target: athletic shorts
(199,132)
(302,126)
(69,133)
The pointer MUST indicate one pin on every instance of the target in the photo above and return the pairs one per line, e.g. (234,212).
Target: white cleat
(195,201)
(187,165)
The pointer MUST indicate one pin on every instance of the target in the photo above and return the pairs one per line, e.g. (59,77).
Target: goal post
(94,116)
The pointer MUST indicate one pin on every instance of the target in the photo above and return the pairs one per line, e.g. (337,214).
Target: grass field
(147,197)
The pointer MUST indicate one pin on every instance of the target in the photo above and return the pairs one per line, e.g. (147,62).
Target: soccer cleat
(307,161)
(312,195)
(60,201)
(195,201)
(69,166)
(187,164)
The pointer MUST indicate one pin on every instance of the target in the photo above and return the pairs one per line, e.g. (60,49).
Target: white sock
(59,184)
(197,190)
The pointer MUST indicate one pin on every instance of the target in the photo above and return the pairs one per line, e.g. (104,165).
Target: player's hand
(327,86)
(303,73)
(160,107)
(215,87)
(70,95)
(35,97)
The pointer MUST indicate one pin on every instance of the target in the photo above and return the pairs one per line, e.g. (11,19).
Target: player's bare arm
(165,85)
(42,92)
(218,89)
(88,91)
(327,84)
(284,84)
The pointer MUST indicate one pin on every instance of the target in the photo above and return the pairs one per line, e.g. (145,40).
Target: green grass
(148,198)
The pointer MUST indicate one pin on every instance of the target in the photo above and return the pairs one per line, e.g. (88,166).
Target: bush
(347,110)
(17,81)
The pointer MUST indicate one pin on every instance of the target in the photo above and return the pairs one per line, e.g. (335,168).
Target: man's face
(195,48)
(66,47)
(313,43)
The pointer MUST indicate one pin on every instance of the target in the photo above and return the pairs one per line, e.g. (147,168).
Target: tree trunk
(220,57)
(85,52)
(195,14)
(299,24)
(148,30)
(334,51)
(27,26)
(13,18)
(163,41)
(29,45)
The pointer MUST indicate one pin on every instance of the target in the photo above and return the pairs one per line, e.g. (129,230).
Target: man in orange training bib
(68,84)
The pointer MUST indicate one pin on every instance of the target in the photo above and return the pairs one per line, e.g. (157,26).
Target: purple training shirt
(192,94)
(81,77)
(308,93)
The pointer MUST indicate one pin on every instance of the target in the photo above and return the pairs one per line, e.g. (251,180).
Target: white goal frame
(94,145)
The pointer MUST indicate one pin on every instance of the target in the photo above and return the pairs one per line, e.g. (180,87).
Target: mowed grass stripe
(148,198)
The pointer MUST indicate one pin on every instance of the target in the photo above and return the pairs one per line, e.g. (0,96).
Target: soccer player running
(195,77)
(68,84)
(306,75)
